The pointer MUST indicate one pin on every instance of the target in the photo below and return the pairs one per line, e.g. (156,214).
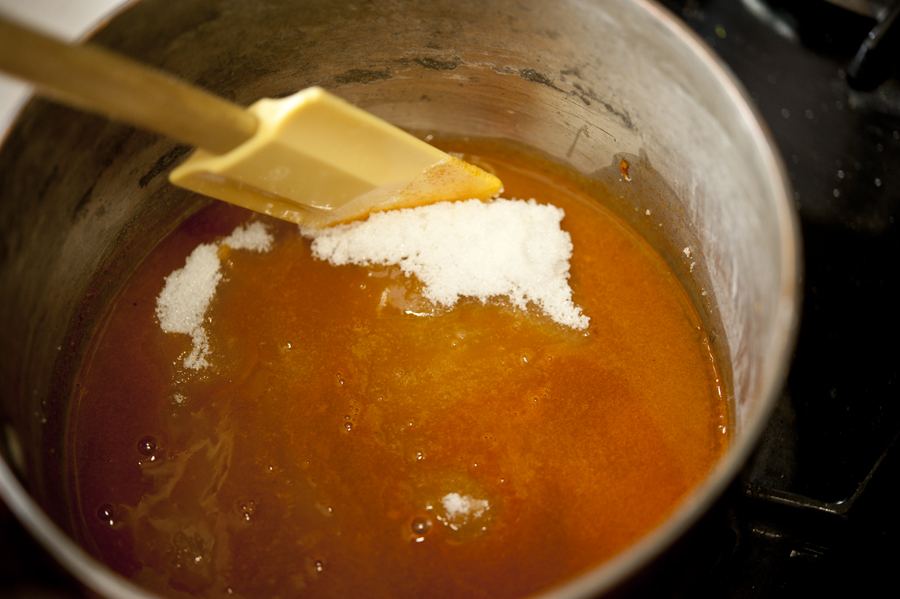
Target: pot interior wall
(585,84)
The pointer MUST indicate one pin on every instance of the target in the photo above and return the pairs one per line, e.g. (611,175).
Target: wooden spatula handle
(92,78)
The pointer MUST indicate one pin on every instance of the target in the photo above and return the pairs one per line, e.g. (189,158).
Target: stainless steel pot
(586,83)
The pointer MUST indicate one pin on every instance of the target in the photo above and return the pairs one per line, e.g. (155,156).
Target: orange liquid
(316,456)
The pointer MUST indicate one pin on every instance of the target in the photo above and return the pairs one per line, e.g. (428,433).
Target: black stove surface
(842,151)
(815,512)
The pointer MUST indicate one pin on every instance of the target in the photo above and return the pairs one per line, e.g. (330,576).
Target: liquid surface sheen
(351,441)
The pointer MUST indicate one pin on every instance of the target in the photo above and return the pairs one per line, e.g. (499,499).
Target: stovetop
(814,511)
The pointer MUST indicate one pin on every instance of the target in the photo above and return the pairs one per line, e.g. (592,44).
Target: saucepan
(585,83)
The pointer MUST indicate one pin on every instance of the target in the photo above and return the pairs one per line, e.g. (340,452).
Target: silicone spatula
(309,158)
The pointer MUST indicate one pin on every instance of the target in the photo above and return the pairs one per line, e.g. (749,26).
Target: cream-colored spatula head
(310,158)
(315,159)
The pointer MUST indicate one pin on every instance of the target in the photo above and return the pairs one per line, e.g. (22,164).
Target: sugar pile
(188,291)
(460,507)
(510,248)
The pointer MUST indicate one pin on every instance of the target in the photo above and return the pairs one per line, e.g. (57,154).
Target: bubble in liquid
(106,513)
(348,426)
(246,509)
(420,526)
(147,446)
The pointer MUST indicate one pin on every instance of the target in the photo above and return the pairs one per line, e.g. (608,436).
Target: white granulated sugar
(253,237)
(510,248)
(460,507)
(188,292)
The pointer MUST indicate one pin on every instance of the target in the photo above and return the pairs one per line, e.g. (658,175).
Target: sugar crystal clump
(512,248)
(188,291)
(460,507)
